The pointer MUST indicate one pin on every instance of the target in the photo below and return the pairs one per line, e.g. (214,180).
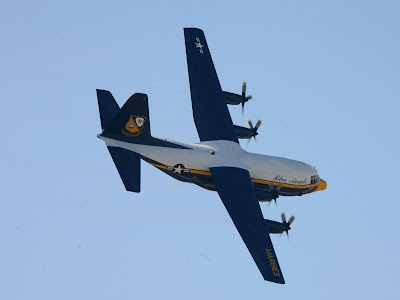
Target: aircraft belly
(192,165)
(165,155)
(171,157)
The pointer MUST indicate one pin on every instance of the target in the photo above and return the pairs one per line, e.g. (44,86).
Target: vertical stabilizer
(132,123)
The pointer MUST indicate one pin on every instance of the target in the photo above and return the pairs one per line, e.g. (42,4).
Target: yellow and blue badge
(134,126)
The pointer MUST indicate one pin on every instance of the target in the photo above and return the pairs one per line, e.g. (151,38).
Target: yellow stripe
(200,172)
(255,180)
(159,166)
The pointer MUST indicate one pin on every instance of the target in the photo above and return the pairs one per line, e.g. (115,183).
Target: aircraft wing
(234,186)
(236,190)
(210,112)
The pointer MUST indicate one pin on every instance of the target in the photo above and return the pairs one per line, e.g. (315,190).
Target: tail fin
(127,162)
(132,122)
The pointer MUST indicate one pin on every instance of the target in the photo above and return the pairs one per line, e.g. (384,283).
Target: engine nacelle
(234,99)
(244,132)
(264,195)
(276,227)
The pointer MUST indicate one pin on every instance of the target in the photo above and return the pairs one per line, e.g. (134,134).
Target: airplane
(217,162)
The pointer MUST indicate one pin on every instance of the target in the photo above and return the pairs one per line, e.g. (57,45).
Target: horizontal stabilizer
(128,166)
(108,107)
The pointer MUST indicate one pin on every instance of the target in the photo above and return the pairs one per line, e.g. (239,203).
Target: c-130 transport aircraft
(217,163)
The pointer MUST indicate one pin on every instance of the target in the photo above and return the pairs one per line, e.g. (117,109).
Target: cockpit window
(314,179)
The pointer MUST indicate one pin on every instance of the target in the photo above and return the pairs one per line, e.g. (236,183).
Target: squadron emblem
(134,126)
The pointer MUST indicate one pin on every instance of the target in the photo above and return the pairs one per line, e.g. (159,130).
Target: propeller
(275,190)
(254,129)
(283,216)
(247,98)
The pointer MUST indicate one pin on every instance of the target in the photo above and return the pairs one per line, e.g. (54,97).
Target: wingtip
(278,280)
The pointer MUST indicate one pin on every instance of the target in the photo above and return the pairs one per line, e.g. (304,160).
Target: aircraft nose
(322,185)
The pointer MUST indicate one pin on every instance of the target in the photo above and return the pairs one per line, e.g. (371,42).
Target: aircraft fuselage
(271,176)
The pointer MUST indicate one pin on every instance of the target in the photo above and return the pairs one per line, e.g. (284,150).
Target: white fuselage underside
(205,155)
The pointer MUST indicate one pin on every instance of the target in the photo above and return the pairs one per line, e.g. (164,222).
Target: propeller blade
(246,98)
(250,124)
(283,216)
(257,125)
(291,220)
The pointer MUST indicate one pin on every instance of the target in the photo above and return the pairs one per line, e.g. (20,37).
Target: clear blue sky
(325,80)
